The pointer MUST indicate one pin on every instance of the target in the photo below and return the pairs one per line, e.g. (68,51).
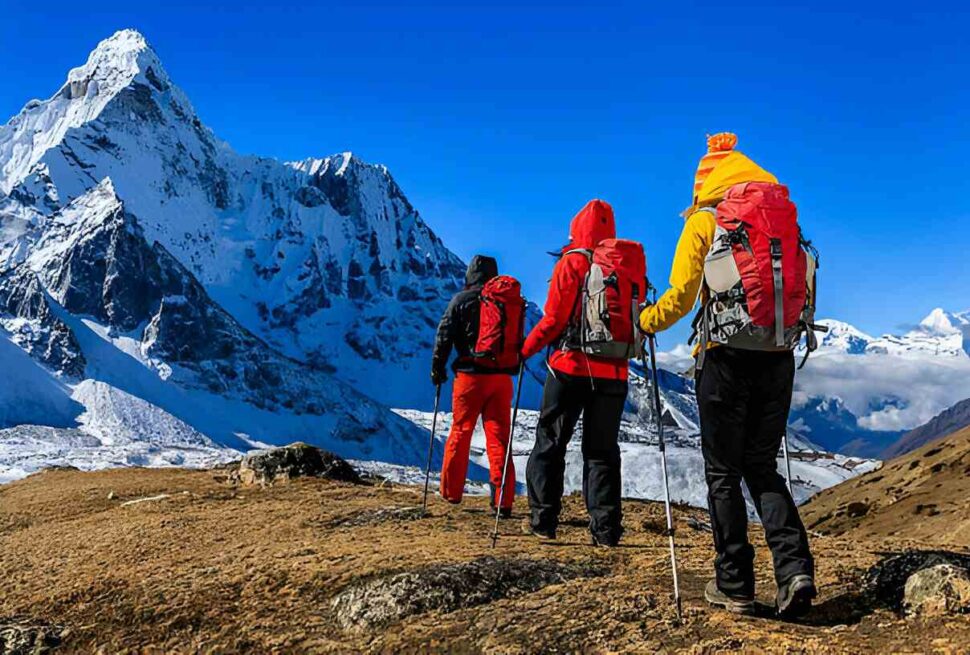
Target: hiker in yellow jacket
(743,398)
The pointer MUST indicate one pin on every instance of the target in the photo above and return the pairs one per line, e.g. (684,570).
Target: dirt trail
(215,568)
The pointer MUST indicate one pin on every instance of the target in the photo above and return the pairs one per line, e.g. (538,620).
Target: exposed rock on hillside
(939,590)
(922,582)
(298,460)
(20,636)
(446,588)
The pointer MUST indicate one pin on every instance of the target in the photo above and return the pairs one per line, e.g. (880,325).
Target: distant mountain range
(859,394)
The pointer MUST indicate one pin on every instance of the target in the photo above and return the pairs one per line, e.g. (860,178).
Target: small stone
(111,495)
(857,509)
(937,591)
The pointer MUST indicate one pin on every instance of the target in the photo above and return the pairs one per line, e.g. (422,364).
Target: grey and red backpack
(759,275)
(606,317)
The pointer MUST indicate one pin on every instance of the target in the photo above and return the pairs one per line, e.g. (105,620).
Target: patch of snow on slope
(641,474)
(29,393)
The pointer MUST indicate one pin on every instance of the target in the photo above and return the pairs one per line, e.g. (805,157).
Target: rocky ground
(177,561)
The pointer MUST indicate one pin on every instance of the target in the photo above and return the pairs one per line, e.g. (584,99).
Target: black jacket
(458,328)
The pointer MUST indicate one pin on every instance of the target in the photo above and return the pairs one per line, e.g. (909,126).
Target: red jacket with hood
(592,224)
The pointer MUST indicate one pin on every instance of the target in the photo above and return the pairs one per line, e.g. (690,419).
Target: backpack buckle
(776,248)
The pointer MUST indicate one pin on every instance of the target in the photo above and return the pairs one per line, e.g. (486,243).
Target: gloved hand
(438,376)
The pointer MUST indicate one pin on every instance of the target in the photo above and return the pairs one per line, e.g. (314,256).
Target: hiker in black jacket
(478,392)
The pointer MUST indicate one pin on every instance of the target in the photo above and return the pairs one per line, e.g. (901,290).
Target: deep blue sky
(501,120)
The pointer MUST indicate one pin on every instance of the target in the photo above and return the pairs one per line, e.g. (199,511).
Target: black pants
(744,397)
(600,402)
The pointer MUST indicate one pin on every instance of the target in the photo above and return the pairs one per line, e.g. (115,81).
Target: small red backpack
(759,272)
(605,324)
(501,324)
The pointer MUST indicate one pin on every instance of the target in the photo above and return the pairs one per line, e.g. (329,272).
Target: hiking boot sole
(801,592)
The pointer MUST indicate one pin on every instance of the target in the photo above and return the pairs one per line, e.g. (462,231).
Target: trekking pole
(784,448)
(434,427)
(508,454)
(663,468)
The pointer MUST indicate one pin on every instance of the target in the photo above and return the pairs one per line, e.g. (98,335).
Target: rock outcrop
(446,588)
(298,460)
(917,582)
(939,590)
(19,636)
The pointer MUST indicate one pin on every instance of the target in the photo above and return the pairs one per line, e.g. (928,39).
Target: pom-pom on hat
(719,146)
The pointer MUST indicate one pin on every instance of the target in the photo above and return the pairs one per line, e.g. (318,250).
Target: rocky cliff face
(947,422)
(93,297)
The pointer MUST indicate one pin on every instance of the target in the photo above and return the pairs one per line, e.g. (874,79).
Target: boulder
(887,581)
(20,636)
(298,460)
(448,587)
(936,591)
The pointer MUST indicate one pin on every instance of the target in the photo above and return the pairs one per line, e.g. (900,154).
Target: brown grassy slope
(923,496)
(213,568)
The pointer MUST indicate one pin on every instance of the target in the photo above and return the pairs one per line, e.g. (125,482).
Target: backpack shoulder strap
(585,251)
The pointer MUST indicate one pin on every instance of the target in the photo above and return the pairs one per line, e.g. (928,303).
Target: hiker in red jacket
(577,384)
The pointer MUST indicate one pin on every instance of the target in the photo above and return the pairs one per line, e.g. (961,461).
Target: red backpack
(501,323)
(605,321)
(759,272)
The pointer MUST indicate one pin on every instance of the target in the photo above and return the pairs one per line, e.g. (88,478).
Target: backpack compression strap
(779,283)
(703,331)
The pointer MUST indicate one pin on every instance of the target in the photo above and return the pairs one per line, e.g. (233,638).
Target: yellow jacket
(695,241)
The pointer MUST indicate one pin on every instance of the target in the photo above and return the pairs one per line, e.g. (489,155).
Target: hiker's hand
(438,377)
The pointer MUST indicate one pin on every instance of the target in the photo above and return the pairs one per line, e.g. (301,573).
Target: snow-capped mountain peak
(117,63)
(337,164)
(938,322)
(842,337)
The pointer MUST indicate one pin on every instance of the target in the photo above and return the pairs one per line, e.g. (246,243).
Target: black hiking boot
(795,597)
(718,598)
(542,533)
(504,513)
(603,541)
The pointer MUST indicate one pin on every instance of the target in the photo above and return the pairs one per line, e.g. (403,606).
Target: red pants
(488,396)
